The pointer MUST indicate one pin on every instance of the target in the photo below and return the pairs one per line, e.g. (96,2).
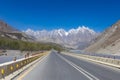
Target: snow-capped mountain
(74,38)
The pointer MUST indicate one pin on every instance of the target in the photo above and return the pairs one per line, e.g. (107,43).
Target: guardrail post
(3,73)
(11,69)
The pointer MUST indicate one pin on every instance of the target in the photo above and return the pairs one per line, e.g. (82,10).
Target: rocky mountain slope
(108,41)
(10,32)
(74,38)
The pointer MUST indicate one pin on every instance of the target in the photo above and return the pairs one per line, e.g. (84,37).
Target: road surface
(62,67)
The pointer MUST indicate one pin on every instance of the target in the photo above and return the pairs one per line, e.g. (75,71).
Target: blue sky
(55,14)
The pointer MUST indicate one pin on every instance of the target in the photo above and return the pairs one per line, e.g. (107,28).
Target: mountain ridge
(7,31)
(72,38)
(4,27)
(108,41)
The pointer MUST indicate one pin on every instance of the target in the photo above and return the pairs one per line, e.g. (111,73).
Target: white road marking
(84,72)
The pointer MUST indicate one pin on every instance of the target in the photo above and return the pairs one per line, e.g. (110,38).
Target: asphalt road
(62,67)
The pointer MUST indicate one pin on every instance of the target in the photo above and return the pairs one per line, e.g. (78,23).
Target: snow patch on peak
(62,32)
(29,31)
(71,37)
(72,31)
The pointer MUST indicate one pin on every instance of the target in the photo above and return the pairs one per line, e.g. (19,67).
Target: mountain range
(74,38)
(80,38)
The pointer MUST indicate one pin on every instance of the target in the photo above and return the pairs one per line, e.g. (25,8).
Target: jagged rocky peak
(75,38)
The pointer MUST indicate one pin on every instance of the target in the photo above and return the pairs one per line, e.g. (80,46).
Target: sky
(54,14)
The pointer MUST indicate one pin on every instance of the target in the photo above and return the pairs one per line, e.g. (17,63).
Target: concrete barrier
(108,60)
(10,67)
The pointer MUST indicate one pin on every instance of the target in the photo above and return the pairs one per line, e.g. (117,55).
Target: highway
(62,67)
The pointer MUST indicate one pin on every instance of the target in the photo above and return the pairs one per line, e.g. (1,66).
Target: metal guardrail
(9,68)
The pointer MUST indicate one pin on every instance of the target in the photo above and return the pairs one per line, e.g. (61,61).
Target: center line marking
(84,72)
